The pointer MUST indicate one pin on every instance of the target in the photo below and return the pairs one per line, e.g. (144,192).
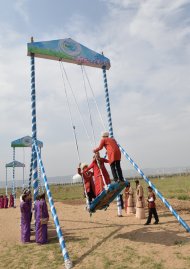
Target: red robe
(113,151)
(88,180)
(98,176)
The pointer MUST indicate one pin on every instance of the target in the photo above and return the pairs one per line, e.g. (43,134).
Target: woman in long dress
(99,171)
(42,218)
(25,219)
(129,200)
(140,202)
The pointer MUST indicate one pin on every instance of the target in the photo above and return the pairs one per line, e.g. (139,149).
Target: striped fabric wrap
(34,128)
(108,109)
(167,204)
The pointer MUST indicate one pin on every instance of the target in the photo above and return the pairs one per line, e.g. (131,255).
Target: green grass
(171,187)
(49,254)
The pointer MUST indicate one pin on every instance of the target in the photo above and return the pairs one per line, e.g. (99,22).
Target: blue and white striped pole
(68,263)
(34,127)
(167,204)
(30,175)
(108,109)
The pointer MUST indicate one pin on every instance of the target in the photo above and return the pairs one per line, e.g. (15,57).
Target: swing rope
(74,134)
(94,99)
(82,120)
(90,116)
(87,100)
(74,97)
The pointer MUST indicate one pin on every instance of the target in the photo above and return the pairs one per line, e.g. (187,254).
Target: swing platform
(103,200)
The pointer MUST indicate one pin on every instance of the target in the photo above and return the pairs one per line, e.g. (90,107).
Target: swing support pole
(68,262)
(108,109)
(37,158)
(34,126)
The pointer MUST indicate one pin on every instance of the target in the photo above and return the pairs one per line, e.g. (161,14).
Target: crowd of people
(41,217)
(138,207)
(95,177)
(6,202)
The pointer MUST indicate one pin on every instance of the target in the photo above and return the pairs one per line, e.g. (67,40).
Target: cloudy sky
(147,43)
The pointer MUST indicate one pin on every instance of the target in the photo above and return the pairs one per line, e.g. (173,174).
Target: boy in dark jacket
(151,207)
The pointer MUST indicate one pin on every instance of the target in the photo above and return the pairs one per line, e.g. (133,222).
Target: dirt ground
(100,241)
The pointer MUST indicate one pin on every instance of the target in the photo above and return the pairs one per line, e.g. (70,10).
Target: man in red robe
(114,155)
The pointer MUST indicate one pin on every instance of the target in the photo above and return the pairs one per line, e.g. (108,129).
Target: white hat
(83,165)
(105,134)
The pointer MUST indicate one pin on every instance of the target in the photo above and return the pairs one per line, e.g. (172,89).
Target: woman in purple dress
(42,218)
(25,218)
(6,201)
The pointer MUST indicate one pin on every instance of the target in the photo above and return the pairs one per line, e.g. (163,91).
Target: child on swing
(99,171)
(88,181)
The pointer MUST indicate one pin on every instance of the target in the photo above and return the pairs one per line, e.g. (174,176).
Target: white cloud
(20,7)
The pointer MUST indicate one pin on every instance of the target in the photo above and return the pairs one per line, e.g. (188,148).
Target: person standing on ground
(6,201)
(25,218)
(140,203)
(114,155)
(151,207)
(11,200)
(129,200)
(42,218)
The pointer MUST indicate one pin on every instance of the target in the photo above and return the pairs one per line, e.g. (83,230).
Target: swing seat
(103,200)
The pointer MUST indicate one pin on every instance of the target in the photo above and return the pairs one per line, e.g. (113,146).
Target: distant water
(127,174)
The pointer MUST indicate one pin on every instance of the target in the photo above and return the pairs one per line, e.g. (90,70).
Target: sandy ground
(107,241)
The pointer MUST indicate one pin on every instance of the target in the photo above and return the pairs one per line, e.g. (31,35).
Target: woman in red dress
(99,171)
(88,181)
